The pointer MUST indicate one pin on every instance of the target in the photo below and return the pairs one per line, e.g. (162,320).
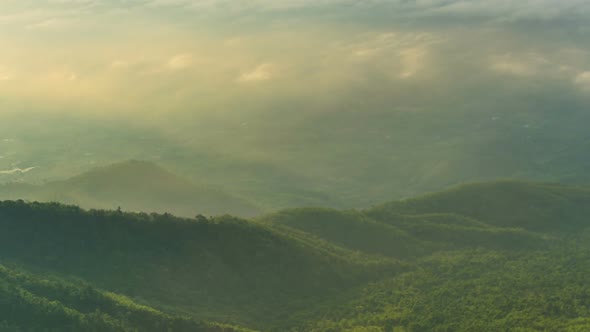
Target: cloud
(17,171)
(256,5)
(413,60)
(263,72)
(499,11)
(583,80)
(50,23)
(5,75)
(550,65)
(513,68)
(502,10)
(62,76)
(119,64)
(119,56)
(180,61)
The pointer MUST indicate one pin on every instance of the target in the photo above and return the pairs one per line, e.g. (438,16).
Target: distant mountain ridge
(134,186)
(539,207)
(504,214)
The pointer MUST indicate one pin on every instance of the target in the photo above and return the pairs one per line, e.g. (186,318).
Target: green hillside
(224,269)
(404,236)
(532,206)
(442,262)
(472,291)
(41,303)
(352,230)
(134,186)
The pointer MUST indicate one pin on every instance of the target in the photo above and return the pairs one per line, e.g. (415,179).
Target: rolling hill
(222,269)
(459,218)
(508,255)
(536,207)
(134,186)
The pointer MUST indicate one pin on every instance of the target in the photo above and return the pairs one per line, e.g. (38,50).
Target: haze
(355,101)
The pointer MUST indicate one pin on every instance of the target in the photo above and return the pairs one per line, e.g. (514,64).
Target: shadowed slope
(403,236)
(223,269)
(35,303)
(351,230)
(535,207)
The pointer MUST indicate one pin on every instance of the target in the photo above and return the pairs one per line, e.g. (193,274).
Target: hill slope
(532,206)
(404,236)
(134,186)
(34,303)
(472,291)
(224,269)
(351,230)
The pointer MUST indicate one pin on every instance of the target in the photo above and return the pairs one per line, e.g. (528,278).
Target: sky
(190,58)
(342,93)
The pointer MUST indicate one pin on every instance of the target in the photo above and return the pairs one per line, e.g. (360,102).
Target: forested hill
(222,269)
(40,303)
(459,260)
(539,207)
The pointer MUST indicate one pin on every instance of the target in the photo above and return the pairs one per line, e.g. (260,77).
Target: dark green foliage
(211,267)
(475,291)
(32,303)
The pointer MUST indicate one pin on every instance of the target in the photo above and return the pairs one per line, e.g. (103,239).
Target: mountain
(134,186)
(488,256)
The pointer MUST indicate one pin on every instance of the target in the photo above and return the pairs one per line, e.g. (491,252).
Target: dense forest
(483,257)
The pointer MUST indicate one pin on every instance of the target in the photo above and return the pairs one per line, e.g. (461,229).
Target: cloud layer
(210,56)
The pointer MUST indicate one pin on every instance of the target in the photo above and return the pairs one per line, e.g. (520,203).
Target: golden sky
(201,56)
